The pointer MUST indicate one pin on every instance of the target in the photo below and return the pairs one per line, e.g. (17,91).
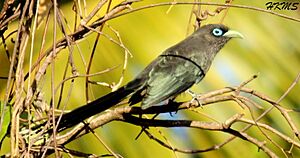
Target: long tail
(99,105)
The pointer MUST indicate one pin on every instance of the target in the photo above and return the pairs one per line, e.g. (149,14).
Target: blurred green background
(270,49)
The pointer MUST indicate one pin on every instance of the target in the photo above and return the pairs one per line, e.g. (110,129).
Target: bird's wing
(169,77)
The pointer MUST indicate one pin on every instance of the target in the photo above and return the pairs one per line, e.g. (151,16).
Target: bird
(170,74)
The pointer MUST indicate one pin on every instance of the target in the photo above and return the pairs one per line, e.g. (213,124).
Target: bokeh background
(270,49)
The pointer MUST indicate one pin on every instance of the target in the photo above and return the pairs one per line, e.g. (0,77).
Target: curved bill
(233,34)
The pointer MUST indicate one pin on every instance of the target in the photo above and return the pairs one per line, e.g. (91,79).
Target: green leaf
(5,122)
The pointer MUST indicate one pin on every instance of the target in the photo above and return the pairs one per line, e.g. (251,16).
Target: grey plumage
(179,67)
(171,73)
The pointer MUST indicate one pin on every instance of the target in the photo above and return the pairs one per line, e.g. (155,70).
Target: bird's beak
(232,33)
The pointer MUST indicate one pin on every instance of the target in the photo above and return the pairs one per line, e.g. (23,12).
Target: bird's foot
(194,98)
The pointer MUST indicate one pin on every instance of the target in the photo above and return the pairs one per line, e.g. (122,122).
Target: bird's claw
(195,98)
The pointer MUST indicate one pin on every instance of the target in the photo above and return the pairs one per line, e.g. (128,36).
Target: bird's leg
(171,101)
(194,97)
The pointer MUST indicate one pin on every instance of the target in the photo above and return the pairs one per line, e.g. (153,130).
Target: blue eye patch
(217,32)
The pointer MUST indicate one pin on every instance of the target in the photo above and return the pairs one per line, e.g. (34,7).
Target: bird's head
(215,36)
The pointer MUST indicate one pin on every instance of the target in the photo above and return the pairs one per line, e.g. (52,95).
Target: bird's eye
(217,32)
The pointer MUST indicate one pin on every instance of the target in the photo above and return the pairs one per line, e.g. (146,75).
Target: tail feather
(99,105)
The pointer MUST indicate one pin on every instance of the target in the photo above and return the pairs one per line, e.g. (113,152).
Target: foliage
(53,64)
